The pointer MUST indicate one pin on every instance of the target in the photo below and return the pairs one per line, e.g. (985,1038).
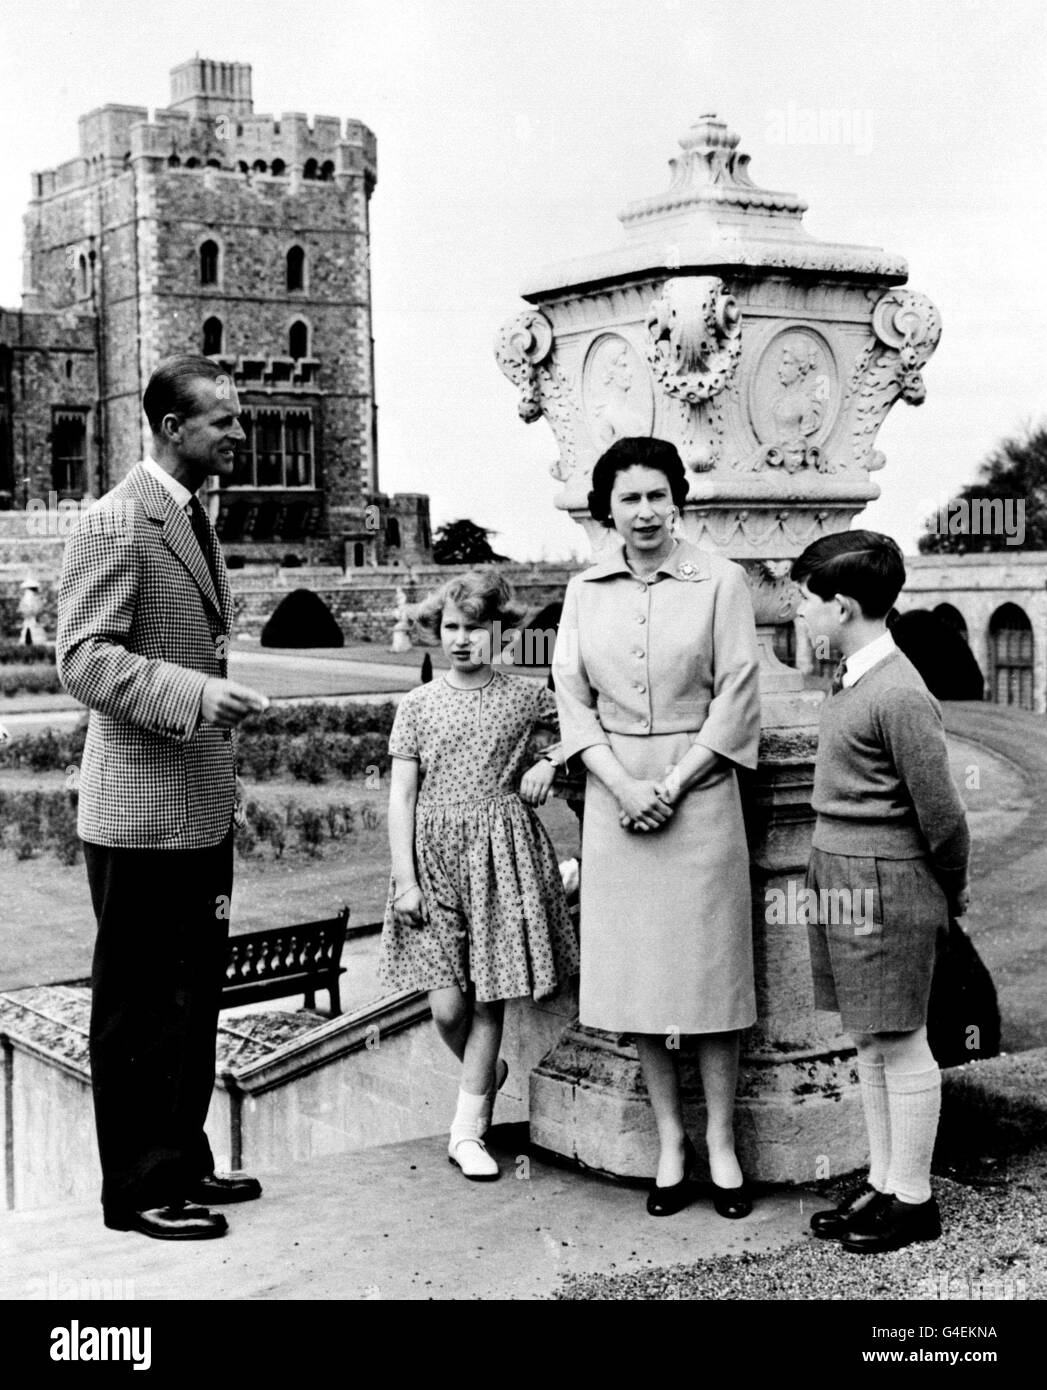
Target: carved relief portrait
(616,391)
(794,397)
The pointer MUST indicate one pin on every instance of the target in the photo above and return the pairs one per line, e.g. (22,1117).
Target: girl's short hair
(482,595)
(631,452)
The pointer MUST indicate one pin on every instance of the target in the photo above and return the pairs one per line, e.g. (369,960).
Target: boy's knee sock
(877,1121)
(914,1099)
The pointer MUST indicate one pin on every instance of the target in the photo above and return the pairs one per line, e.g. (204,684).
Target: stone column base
(797,1119)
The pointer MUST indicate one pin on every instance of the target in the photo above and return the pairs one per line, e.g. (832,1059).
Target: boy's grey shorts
(872,948)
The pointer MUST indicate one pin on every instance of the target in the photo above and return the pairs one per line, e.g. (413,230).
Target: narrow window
(212,337)
(296,268)
(298,449)
(310,170)
(269,450)
(278,168)
(209,263)
(327,170)
(69,452)
(298,340)
(81,277)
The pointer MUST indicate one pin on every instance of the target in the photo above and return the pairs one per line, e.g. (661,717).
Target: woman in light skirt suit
(656,681)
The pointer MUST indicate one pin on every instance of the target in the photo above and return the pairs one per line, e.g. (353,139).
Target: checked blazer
(140,631)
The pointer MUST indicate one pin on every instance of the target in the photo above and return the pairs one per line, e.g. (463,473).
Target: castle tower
(211,229)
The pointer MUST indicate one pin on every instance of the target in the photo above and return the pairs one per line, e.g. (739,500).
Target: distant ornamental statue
(30,605)
(402,629)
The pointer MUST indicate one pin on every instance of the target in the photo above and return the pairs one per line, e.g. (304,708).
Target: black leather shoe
(835,1223)
(216,1189)
(178,1221)
(667,1201)
(732,1202)
(893,1224)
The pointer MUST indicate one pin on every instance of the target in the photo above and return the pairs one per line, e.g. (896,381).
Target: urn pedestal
(770,359)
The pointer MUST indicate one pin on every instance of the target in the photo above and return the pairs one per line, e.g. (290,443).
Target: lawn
(46,925)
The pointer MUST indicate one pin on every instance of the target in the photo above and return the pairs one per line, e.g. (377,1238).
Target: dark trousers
(159,964)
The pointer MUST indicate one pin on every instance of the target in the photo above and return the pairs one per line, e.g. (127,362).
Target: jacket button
(641,619)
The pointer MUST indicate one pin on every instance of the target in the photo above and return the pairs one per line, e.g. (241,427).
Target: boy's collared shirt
(865,658)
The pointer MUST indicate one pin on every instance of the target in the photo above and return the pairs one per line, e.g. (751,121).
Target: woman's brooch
(687,570)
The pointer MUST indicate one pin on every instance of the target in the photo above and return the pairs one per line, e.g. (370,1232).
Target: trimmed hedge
(312,743)
(36,822)
(40,820)
(15,654)
(320,718)
(35,679)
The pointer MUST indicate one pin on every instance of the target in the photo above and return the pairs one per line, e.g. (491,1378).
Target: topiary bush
(302,619)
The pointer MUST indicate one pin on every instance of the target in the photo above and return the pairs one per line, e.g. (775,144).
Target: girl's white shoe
(471,1156)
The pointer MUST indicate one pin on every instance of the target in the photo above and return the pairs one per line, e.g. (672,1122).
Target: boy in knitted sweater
(891,828)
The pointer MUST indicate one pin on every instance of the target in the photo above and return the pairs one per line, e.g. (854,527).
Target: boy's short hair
(863,565)
(482,595)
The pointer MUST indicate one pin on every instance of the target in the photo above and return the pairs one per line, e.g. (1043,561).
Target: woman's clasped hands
(645,806)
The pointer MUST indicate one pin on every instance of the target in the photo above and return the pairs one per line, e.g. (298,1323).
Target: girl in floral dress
(476,911)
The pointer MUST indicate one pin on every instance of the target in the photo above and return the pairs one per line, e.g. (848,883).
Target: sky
(512,132)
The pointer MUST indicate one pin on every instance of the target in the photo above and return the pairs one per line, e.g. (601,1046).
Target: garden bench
(283,960)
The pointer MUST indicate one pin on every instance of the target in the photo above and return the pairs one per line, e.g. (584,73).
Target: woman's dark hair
(633,452)
(170,388)
(863,565)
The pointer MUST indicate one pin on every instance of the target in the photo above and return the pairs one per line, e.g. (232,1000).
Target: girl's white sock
(914,1099)
(877,1121)
(468,1116)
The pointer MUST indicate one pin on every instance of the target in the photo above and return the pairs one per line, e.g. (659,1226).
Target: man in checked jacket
(144,613)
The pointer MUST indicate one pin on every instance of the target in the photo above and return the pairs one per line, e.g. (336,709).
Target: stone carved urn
(770,359)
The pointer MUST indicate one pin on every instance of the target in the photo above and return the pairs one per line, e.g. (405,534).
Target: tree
(1005,509)
(464,543)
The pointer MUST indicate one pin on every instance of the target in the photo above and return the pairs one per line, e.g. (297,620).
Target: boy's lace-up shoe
(893,1224)
(833,1224)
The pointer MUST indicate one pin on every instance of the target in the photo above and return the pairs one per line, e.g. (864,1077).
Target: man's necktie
(202,528)
(837,684)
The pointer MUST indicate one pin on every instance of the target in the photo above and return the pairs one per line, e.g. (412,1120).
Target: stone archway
(1012,655)
(951,616)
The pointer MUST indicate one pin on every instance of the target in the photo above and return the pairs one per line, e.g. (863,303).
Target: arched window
(260,166)
(212,337)
(298,340)
(310,170)
(242,166)
(327,170)
(392,532)
(296,268)
(209,263)
(192,162)
(358,554)
(278,168)
(1011,646)
(82,283)
(952,617)
(173,161)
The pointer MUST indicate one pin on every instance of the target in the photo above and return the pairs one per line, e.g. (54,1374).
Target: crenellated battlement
(211,123)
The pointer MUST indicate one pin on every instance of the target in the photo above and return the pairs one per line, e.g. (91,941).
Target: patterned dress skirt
(497,914)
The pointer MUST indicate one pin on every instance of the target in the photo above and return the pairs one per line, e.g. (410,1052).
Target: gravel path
(994,1245)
